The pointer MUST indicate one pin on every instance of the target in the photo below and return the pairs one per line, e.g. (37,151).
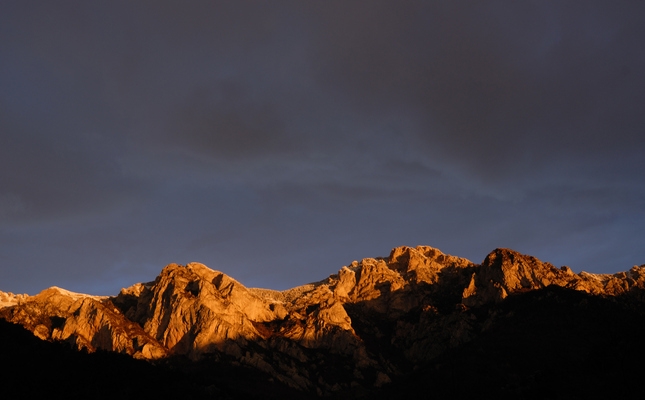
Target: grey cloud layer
(279,140)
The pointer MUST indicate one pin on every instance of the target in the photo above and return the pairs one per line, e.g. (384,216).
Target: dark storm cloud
(277,141)
(224,124)
(48,172)
(498,88)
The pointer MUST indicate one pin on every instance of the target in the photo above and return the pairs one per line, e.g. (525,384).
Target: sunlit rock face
(86,322)
(192,310)
(505,272)
(374,320)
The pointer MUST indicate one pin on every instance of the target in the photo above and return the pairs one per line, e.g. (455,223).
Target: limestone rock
(505,272)
(87,322)
(424,263)
(9,299)
(376,318)
(193,310)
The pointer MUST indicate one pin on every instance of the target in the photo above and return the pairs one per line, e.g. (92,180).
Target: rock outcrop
(505,272)
(86,322)
(372,321)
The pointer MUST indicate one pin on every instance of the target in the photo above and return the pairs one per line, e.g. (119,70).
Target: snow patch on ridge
(603,278)
(75,295)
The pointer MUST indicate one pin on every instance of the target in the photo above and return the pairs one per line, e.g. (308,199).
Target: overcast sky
(278,141)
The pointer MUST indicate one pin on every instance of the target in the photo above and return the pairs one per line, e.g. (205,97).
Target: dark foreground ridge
(418,322)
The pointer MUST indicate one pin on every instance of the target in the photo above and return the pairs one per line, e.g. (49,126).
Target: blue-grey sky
(277,141)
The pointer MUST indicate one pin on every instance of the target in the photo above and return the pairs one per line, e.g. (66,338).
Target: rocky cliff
(375,320)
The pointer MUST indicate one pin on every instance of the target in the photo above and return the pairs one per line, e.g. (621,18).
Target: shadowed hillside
(418,320)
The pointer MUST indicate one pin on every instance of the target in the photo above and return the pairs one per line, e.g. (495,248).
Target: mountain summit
(372,322)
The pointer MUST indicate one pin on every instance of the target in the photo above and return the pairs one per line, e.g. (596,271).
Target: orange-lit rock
(377,316)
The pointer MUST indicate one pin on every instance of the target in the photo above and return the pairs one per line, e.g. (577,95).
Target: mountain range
(415,322)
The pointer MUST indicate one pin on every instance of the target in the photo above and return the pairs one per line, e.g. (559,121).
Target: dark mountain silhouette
(551,343)
(418,322)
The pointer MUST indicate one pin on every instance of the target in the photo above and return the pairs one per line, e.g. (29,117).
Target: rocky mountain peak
(379,317)
(423,263)
(506,271)
(193,309)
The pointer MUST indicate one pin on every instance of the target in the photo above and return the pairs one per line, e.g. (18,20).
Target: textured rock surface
(372,321)
(504,272)
(86,322)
